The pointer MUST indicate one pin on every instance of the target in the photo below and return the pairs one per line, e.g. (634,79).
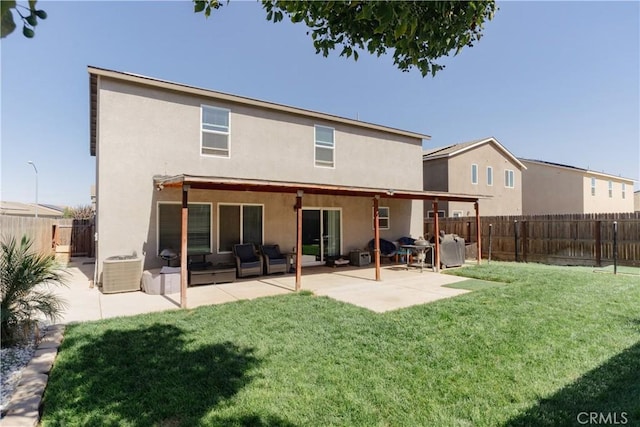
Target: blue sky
(551,81)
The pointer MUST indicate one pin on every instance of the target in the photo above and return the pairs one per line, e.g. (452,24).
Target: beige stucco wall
(265,144)
(144,132)
(636,201)
(503,201)
(550,189)
(601,202)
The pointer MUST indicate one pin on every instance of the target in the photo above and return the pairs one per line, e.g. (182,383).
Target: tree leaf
(41,14)
(401,29)
(199,5)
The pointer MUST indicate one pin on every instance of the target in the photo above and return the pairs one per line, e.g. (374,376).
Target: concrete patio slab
(128,303)
(400,287)
(206,295)
(253,289)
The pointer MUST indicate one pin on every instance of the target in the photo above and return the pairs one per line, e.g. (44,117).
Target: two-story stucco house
(245,171)
(553,188)
(481,167)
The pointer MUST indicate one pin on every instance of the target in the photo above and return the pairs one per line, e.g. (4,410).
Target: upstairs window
(215,131)
(593,186)
(610,189)
(509,178)
(474,174)
(624,190)
(324,146)
(489,176)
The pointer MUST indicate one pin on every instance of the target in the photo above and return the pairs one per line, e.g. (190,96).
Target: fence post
(489,258)
(525,236)
(598,244)
(515,235)
(615,247)
(469,231)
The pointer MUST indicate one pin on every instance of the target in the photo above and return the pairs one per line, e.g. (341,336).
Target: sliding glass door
(321,233)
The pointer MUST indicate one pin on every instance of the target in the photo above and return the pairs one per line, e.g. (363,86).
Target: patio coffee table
(219,273)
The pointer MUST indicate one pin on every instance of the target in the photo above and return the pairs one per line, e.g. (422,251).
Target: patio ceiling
(237,184)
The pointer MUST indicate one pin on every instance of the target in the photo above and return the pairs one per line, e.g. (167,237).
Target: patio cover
(186,182)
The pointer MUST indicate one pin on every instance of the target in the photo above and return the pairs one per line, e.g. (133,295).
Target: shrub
(26,278)
(79,212)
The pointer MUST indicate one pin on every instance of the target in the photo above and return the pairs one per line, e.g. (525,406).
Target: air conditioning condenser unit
(121,274)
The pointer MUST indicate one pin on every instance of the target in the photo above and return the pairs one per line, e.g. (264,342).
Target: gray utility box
(359,258)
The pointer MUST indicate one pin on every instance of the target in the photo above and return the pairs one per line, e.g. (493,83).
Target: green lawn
(621,269)
(474,284)
(550,344)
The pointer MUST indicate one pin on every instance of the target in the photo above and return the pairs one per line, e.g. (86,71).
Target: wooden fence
(74,237)
(552,239)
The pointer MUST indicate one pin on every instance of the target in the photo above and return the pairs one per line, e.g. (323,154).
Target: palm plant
(26,278)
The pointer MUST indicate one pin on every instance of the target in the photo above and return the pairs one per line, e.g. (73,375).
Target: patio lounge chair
(387,248)
(274,261)
(248,261)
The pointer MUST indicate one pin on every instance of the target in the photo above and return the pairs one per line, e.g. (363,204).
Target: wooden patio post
(436,239)
(183,247)
(376,235)
(299,239)
(476,205)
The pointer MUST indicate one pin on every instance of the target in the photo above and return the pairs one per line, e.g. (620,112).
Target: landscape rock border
(23,410)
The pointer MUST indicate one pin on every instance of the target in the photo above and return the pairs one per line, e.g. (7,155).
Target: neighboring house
(636,201)
(482,167)
(553,188)
(30,210)
(241,163)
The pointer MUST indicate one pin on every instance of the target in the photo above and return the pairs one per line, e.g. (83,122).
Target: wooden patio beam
(236,184)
